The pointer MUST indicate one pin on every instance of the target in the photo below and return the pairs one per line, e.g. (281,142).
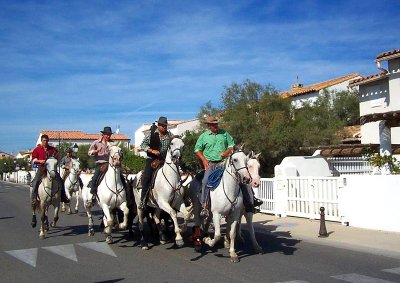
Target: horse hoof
(41,237)
(162,242)
(179,243)
(91,232)
(63,209)
(258,250)
(234,259)
(109,239)
(226,245)
(53,224)
(69,213)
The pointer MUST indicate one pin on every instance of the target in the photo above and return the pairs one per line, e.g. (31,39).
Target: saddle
(103,170)
(213,179)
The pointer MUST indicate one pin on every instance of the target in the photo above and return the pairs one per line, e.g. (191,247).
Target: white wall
(371,201)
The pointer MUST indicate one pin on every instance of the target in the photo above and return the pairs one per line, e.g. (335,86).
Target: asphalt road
(68,254)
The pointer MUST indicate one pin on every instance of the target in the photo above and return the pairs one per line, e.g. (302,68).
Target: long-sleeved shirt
(164,143)
(103,155)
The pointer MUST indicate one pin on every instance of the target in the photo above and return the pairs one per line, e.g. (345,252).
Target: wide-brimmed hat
(107,131)
(211,120)
(162,121)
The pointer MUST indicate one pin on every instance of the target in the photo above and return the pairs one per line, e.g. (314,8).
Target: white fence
(300,196)
(368,201)
(349,165)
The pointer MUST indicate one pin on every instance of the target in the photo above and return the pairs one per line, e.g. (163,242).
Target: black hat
(162,121)
(107,131)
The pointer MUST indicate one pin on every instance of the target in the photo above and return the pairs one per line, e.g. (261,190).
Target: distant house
(380,103)
(176,127)
(78,138)
(24,155)
(300,94)
(5,155)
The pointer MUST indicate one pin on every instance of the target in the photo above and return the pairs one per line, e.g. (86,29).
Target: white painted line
(358,278)
(67,251)
(392,270)
(99,247)
(28,256)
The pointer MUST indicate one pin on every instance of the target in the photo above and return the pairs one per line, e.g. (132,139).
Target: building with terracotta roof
(299,94)
(380,103)
(78,137)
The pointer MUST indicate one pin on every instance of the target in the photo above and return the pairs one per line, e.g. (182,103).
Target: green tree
(259,117)
(189,158)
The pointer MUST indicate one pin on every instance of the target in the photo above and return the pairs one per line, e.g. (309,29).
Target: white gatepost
(342,201)
(280,195)
(385,147)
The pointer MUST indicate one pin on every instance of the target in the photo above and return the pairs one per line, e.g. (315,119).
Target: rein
(236,176)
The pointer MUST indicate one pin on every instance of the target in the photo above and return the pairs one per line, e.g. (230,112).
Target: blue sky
(83,65)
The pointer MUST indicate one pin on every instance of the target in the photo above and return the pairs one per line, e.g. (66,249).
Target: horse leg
(250,227)
(89,215)
(186,216)
(42,234)
(56,209)
(34,222)
(108,222)
(143,243)
(217,231)
(232,224)
(125,210)
(166,207)
(77,195)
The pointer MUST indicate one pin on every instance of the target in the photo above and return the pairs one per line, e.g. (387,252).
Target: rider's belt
(215,161)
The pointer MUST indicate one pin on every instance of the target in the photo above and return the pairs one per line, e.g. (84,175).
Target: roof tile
(316,87)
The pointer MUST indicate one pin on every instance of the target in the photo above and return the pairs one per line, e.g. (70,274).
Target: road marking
(28,256)
(358,278)
(67,251)
(99,247)
(392,270)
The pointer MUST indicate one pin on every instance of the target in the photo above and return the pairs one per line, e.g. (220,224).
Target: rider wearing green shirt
(211,148)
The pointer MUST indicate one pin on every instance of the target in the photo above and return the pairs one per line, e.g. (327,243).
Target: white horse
(72,185)
(226,200)
(49,193)
(253,165)
(111,194)
(167,194)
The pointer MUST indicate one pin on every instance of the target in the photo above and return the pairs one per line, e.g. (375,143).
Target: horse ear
(241,148)
(251,154)
(257,156)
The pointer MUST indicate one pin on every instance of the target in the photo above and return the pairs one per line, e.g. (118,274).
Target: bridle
(230,162)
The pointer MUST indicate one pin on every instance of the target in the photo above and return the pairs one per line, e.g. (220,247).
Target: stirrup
(258,202)
(141,205)
(204,213)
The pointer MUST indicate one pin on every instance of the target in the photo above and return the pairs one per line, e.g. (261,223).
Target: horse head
(115,155)
(51,166)
(76,166)
(238,160)
(176,149)
(253,166)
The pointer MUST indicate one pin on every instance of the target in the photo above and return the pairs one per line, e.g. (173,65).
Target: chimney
(296,86)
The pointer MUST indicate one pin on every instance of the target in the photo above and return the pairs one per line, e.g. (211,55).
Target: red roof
(317,87)
(384,56)
(367,79)
(79,135)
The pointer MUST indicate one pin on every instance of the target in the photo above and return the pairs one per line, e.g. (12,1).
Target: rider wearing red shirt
(39,155)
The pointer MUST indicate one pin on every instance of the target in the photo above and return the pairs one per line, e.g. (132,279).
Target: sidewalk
(358,239)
